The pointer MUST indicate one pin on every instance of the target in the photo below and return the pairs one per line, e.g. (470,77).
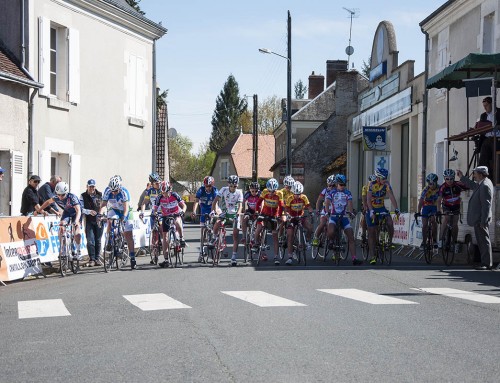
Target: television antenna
(353,13)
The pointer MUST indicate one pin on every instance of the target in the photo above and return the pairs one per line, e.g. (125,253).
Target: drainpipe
(424,113)
(153,148)
(23,48)
(31,136)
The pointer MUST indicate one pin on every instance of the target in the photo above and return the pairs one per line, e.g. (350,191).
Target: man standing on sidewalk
(479,212)
(46,192)
(91,202)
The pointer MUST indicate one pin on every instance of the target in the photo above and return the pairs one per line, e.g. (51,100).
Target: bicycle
(430,242)
(261,245)
(207,238)
(321,251)
(383,246)
(66,250)
(116,254)
(174,246)
(220,242)
(448,248)
(340,245)
(299,239)
(247,248)
(155,244)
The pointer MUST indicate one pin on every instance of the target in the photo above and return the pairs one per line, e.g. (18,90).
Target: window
(442,50)
(59,61)
(136,80)
(224,170)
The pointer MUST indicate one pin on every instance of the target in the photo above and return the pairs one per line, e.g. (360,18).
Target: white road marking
(367,297)
(462,294)
(149,302)
(42,308)
(262,299)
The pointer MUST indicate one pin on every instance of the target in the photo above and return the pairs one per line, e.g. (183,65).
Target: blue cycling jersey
(68,204)
(116,201)
(206,199)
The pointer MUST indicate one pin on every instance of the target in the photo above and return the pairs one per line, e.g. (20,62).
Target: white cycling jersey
(229,202)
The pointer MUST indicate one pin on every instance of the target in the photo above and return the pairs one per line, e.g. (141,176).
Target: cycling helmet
(208,181)
(372,177)
(340,179)
(115,183)
(62,188)
(431,177)
(330,180)
(233,180)
(449,173)
(154,177)
(297,188)
(288,181)
(254,185)
(272,184)
(382,173)
(165,187)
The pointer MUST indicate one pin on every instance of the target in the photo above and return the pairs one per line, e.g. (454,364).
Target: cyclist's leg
(454,232)
(372,233)
(275,234)
(308,226)
(349,232)
(180,230)
(319,229)
(390,227)
(244,228)
(289,237)
(425,224)
(258,230)
(364,228)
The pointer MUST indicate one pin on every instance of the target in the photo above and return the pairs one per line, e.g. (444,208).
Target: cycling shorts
(128,223)
(230,220)
(454,208)
(269,222)
(426,210)
(374,222)
(343,221)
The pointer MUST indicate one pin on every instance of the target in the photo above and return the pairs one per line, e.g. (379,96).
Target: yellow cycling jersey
(286,194)
(297,204)
(364,190)
(378,193)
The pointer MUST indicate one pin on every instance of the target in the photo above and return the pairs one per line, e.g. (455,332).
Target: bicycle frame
(66,235)
(118,257)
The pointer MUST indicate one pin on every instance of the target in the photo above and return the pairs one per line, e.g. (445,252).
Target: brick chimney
(316,85)
(332,68)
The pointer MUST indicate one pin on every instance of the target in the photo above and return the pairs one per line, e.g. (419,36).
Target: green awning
(475,65)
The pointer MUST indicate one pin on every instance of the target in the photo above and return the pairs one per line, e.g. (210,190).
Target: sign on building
(375,138)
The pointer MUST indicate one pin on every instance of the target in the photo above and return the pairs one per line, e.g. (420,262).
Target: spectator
(479,212)
(486,141)
(91,202)
(30,202)
(148,205)
(46,192)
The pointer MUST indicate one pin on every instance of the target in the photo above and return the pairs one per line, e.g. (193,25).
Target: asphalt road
(371,324)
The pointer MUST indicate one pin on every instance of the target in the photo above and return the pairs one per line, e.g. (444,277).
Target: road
(407,323)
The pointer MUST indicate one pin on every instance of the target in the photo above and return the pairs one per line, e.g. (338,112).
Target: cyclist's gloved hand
(416,215)
(397,211)
(372,214)
(141,215)
(212,213)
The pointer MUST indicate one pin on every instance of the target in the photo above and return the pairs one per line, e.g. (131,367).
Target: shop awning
(473,66)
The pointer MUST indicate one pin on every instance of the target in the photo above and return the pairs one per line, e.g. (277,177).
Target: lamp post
(288,95)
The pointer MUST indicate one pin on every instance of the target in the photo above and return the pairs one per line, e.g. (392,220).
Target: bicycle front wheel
(344,246)
(63,258)
(301,247)
(429,248)
(154,246)
(448,249)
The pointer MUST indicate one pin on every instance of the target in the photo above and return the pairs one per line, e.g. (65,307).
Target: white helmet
(62,188)
(272,184)
(297,188)
(115,183)
(288,181)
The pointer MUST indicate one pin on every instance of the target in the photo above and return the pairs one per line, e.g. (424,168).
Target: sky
(209,40)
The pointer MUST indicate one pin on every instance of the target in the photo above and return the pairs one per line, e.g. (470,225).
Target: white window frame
(224,168)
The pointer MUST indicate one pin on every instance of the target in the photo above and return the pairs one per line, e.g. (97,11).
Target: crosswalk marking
(262,299)
(367,297)
(42,308)
(468,295)
(149,302)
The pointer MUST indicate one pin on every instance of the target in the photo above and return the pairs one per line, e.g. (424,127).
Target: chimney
(316,85)
(332,68)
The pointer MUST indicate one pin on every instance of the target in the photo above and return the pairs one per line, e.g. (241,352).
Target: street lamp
(288,96)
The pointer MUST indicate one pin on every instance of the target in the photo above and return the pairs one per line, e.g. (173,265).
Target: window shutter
(74,66)
(74,178)
(44,54)
(18,181)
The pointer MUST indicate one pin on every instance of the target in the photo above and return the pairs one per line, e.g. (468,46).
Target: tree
(365,68)
(300,90)
(179,154)
(135,4)
(226,117)
(270,115)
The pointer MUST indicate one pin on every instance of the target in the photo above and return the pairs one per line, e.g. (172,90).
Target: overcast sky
(209,40)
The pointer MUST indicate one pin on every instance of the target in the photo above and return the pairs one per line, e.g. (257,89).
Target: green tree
(135,4)
(270,115)
(226,117)
(179,154)
(365,68)
(300,90)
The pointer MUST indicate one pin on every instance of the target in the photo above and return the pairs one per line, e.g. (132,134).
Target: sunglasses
(61,195)
(340,184)
(232,186)
(449,179)
(37,182)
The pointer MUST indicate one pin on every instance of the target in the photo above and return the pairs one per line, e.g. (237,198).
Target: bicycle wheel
(246,248)
(448,249)
(385,251)
(154,246)
(429,247)
(300,245)
(344,246)
(262,245)
(63,257)
(364,249)
(282,245)
(171,247)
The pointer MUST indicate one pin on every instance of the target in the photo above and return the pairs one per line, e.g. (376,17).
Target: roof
(435,13)
(10,69)
(126,7)
(240,151)
(337,165)
(473,66)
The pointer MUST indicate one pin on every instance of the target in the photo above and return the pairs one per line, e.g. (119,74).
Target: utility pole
(289,161)
(255,132)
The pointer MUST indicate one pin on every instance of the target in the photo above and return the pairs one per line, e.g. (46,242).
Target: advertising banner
(374,138)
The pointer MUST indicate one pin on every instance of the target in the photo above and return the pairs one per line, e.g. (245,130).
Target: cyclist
(72,211)
(170,204)
(320,208)
(427,204)
(270,206)
(250,201)
(339,202)
(364,206)
(377,191)
(151,194)
(231,201)
(286,192)
(204,198)
(449,201)
(117,200)
(295,206)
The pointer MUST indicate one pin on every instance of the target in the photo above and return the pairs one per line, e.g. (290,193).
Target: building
(96,115)
(236,158)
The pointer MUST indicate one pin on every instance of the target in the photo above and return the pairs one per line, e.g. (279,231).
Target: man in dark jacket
(46,192)
(91,201)
(30,203)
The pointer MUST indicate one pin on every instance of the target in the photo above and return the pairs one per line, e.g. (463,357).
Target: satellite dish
(172,133)
(349,50)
